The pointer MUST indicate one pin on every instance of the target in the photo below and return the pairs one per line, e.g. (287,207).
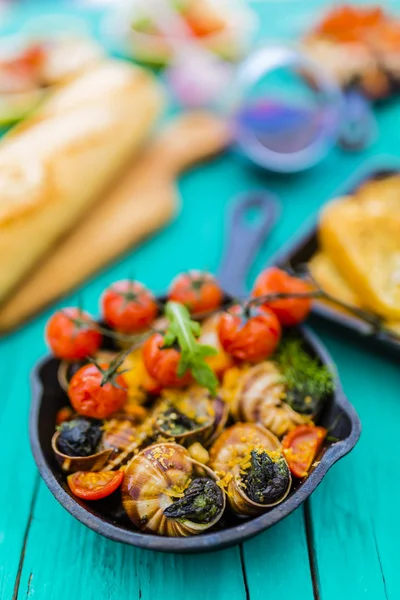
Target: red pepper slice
(300,447)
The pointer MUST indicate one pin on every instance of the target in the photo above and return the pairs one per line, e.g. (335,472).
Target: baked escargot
(253,471)
(77,445)
(91,445)
(190,415)
(257,394)
(166,492)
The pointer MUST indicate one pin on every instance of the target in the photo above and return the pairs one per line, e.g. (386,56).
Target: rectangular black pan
(300,251)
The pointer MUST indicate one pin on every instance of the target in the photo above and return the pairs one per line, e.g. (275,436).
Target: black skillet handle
(245,238)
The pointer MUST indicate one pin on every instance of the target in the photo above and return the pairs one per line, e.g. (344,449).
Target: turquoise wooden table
(344,543)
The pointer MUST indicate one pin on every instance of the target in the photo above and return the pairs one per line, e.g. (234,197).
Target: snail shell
(71,464)
(227,456)
(259,398)
(152,479)
(208,414)
(120,440)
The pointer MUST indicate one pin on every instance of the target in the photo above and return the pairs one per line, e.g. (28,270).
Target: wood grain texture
(15,508)
(358,499)
(277,563)
(86,562)
(354,515)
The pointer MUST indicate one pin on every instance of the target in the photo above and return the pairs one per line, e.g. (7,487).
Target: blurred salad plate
(30,66)
(224,28)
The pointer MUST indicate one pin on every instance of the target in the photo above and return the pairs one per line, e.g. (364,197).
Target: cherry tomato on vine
(197,290)
(250,334)
(72,335)
(290,311)
(129,307)
(162,363)
(91,399)
(90,485)
(300,447)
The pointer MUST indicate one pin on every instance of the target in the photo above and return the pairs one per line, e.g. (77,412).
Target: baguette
(55,165)
(144,199)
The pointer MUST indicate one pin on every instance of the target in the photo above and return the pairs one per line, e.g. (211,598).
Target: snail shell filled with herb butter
(168,493)
(190,415)
(77,446)
(252,468)
(257,394)
(88,445)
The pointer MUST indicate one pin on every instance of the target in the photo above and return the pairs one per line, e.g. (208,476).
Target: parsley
(308,382)
(184,332)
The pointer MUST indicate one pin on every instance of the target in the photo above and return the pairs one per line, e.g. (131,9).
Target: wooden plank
(277,563)
(355,512)
(61,556)
(19,472)
(64,559)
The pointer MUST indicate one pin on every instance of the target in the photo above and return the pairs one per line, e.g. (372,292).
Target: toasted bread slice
(393,326)
(55,165)
(363,241)
(381,195)
(330,280)
(326,275)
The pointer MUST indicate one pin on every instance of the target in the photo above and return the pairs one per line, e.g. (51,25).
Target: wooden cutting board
(144,200)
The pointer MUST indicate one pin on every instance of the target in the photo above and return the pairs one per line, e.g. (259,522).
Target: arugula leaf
(184,332)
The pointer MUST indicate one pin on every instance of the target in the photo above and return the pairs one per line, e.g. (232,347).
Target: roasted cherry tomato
(64,414)
(72,335)
(91,399)
(90,485)
(162,363)
(129,307)
(300,447)
(249,334)
(197,290)
(290,311)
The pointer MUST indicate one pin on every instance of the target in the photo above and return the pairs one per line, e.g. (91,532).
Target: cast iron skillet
(301,250)
(107,516)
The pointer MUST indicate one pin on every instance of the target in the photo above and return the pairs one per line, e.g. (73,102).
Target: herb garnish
(266,481)
(308,381)
(201,503)
(184,332)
